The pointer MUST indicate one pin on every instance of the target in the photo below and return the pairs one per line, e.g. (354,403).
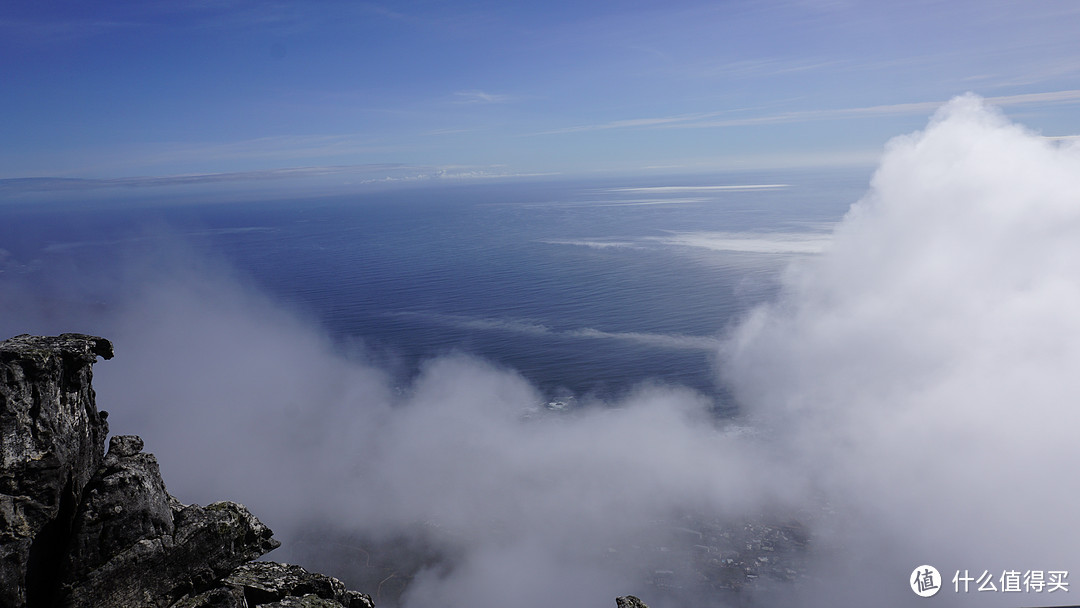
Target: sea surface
(585,287)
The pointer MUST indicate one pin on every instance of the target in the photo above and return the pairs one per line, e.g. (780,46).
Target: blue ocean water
(583,286)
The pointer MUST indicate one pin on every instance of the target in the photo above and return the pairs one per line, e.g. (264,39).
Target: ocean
(583,286)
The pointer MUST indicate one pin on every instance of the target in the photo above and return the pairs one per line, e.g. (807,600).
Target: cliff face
(51,442)
(80,528)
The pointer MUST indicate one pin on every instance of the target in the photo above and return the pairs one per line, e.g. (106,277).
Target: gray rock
(355,599)
(206,544)
(124,503)
(220,597)
(629,601)
(266,582)
(51,443)
(308,601)
(124,445)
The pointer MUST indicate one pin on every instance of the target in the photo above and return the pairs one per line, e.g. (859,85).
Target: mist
(910,396)
(242,400)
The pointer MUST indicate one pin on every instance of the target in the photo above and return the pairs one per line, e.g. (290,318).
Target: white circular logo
(925,581)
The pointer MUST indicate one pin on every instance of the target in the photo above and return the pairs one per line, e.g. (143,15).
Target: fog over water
(909,393)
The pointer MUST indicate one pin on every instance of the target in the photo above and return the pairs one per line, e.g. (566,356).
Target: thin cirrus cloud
(271,147)
(42,33)
(31,184)
(482,97)
(355,174)
(198,160)
(711,119)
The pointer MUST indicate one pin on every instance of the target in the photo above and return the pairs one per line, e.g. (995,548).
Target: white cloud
(923,367)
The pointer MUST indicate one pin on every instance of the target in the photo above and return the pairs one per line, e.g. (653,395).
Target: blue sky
(149,89)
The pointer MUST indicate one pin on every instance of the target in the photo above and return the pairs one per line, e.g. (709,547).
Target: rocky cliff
(83,528)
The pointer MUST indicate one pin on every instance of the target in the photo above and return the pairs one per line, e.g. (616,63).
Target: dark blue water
(582,286)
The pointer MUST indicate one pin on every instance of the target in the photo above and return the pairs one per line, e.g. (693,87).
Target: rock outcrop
(273,584)
(132,544)
(52,441)
(83,529)
(629,601)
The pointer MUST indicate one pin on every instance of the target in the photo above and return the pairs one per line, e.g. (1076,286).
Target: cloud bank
(923,365)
